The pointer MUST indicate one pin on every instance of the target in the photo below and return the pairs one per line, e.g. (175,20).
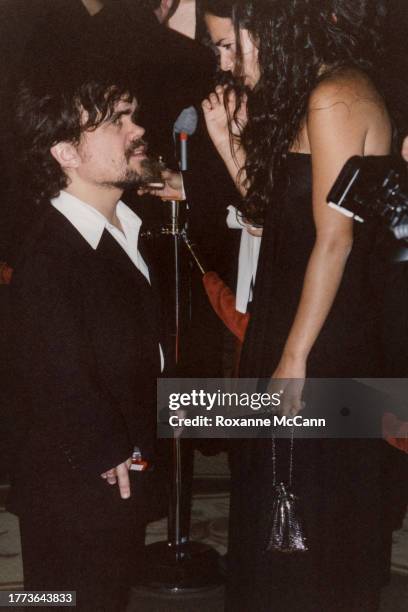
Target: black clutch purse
(286,532)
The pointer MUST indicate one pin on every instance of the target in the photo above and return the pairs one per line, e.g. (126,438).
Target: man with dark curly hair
(84,343)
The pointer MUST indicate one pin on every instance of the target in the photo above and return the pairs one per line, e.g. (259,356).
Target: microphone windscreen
(186,121)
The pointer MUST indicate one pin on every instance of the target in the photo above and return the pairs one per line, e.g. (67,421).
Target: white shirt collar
(89,222)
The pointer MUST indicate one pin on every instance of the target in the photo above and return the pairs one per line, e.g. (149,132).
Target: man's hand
(120,475)
(173,186)
(404,151)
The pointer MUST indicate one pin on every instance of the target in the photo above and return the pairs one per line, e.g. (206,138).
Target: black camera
(370,187)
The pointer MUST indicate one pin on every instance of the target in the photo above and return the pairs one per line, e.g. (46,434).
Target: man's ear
(166,9)
(167,5)
(93,6)
(66,154)
(405,149)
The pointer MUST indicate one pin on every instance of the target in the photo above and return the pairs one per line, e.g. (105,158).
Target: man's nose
(140,130)
(137,130)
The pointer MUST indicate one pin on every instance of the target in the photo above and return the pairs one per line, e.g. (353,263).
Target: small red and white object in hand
(138,464)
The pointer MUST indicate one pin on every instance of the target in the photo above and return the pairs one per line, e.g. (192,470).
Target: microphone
(185,126)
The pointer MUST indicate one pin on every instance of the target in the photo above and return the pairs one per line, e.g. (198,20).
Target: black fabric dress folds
(340,482)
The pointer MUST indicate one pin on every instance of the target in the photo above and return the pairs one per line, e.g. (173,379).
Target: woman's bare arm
(216,118)
(341,122)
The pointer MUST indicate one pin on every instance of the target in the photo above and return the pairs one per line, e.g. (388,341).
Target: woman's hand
(172,189)
(219,116)
(251,229)
(219,123)
(288,380)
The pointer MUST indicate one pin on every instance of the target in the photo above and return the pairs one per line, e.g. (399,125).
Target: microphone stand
(180,565)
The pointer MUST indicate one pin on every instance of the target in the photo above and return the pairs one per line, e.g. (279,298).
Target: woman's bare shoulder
(348,100)
(347,86)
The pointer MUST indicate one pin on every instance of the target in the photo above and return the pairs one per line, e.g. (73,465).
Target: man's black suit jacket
(84,359)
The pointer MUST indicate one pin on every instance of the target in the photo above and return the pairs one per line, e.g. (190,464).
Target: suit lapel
(116,259)
(109,249)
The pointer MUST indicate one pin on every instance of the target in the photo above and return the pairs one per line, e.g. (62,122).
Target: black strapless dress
(340,482)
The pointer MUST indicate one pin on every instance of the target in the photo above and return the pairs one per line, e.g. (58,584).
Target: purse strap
(274,458)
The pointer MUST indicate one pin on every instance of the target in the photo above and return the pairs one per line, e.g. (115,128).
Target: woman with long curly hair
(304,102)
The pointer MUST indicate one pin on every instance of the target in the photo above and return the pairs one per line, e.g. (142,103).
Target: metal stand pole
(179,565)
